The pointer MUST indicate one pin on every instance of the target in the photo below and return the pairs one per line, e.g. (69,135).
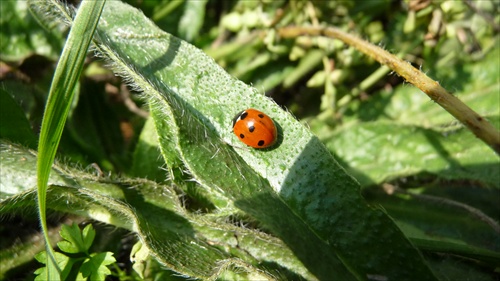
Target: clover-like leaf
(64,262)
(95,267)
(76,241)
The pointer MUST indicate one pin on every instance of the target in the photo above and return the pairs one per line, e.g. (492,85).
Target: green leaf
(403,133)
(447,218)
(13,123)
(76,241)
(134,204)
(61,94)
(88,236)
(147,155)
(63,262)
(295,186)
(177,170)
(95,267)
(139,256)
(21,36)
(406,105)
(408,150)
(14,159)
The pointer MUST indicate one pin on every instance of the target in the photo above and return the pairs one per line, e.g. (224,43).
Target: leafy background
(436,180)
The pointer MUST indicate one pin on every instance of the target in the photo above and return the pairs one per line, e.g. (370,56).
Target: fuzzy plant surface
(317,224)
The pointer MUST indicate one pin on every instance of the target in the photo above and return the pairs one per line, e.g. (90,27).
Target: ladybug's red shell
(255,128)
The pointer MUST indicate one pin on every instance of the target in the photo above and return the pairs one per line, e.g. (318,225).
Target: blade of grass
(61,94)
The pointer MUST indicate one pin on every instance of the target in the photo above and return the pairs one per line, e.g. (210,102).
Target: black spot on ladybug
(251,129)
(242,136)
(243,115)
(260,143)
(235,119)
(261,115)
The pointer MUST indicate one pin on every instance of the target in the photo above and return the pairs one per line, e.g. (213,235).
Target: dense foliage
(148,150)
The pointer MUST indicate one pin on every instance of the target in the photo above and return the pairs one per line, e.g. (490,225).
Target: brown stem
(477,124)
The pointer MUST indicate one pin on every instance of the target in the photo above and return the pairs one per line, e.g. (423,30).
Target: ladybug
(255,128)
